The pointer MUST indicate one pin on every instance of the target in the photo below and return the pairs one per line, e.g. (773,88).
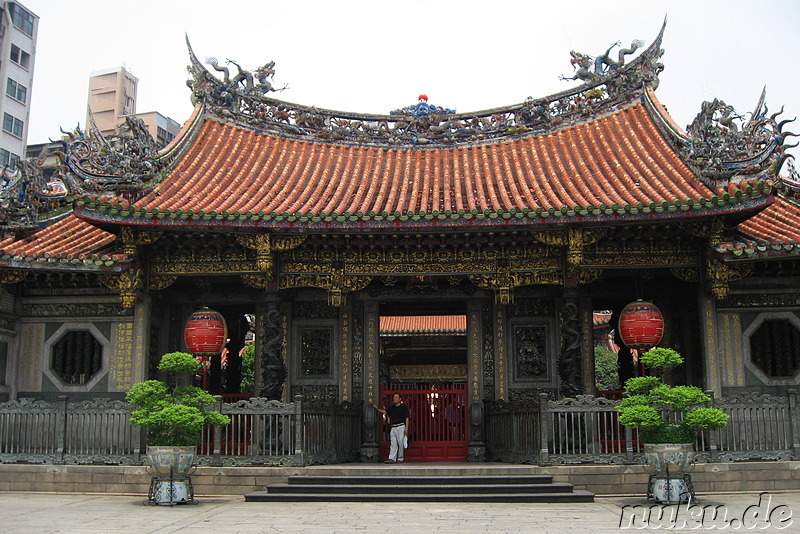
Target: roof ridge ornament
(422,108)
(724,145)
(240,100)
(592,69)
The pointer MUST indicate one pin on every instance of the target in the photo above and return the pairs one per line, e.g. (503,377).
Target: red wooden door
(438,429)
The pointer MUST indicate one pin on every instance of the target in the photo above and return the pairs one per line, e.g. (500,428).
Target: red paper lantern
(641,325)
(206,332)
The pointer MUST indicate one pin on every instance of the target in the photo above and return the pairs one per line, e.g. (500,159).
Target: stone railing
(98,431)
(586,429)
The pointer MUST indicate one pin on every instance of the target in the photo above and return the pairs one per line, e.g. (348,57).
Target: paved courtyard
(77,513)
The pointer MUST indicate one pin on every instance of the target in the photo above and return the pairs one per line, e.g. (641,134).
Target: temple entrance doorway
(424,358)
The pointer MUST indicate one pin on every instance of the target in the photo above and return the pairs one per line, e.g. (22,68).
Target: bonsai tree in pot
(174,414)
(666,414)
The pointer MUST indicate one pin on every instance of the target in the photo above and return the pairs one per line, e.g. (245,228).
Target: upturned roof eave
(467,222)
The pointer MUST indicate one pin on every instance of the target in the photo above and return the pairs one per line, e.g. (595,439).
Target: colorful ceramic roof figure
(604,152)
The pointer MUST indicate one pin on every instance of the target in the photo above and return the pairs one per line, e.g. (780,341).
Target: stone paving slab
(32,513)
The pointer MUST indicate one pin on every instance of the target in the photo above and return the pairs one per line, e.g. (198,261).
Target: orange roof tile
(772,233)
(68,241)
(778,222)
(423,325)
(617,164)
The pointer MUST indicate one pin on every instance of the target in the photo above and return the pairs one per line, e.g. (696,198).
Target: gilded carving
(126,283)
(711,230)
(644,258)
(132,238)
(282,243)
(425,373)
(337,283)
(687,274)
(575,239)
(262,244)
(587,276)
(74,310)
(157,283)
(257,281)
(721,275)
(12,276)
(504,281)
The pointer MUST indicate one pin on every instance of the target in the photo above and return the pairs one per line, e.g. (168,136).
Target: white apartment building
(18,31)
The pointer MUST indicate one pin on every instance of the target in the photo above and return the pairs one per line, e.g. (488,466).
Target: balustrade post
(544,430)
(61,428)
(298,429)
(713,435)
(216,453)
(628,444)
(793,423)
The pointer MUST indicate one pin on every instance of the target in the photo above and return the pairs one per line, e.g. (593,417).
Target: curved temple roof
(605,151)
(615,165)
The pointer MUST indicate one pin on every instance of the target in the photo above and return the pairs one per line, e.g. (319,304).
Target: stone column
(369,447)
(708,327)
(271,369)
(570,368)
(476,449)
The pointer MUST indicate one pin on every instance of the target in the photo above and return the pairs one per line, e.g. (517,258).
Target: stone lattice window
(315,351)
(775,348)
(76,357)
(530,351)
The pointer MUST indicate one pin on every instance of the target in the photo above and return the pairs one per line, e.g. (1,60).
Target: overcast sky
(378,55)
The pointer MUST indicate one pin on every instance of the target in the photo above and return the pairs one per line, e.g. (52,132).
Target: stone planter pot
(668,464)
(171,466)
(172,462)
(669,459)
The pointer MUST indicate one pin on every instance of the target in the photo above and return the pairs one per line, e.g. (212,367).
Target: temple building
(423,250)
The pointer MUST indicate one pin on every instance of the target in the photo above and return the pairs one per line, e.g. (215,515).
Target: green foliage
(679,398)
(650,401)
(640,416)
(641,384)
(606,368)
(707,418)
(173,416)
(661,359)
(668,434)
(248,369)
(178,362)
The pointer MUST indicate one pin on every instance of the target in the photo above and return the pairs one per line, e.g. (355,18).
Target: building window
(775,348)
(76,357)
(315,351)
(8,159)
(163,136)
(21,19)
(16,90)
(20,57)
(12,125)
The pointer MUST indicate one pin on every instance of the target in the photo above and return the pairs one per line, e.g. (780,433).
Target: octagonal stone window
(775,348)
(76,357)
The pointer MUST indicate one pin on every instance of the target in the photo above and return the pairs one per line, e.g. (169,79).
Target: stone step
(381,484)
(571,497)
(392,478)
(417,489)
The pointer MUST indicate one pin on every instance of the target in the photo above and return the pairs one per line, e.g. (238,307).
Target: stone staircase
(421,484)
